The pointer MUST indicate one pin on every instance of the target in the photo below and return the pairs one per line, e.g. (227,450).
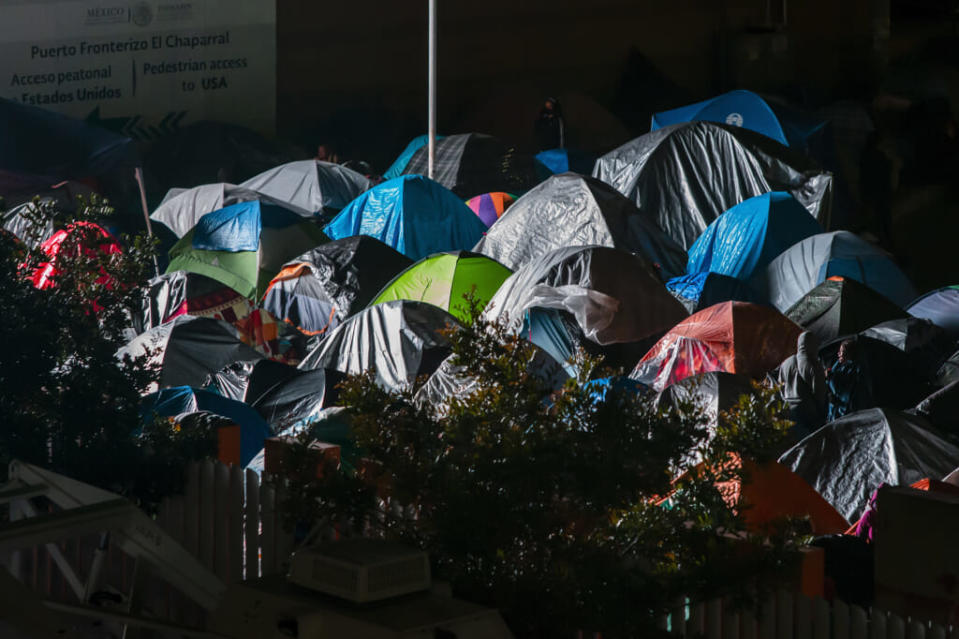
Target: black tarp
(687,174)
(573,210)
(189,350)
(614,297)
(338,279)
(284,395)
(471,164)
(926,345)
(840,307)
(888,376)
(846,460)
(399,340)
(166,296)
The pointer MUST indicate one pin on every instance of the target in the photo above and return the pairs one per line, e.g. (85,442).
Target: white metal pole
(432,95)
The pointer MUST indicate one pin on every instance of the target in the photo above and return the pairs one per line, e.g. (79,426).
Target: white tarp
(145,66)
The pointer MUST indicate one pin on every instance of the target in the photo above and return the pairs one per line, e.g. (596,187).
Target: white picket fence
(230,520)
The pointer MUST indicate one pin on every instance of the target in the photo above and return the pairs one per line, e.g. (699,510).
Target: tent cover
(310,185)
(244,245)
(399,340)
(318,290)
(941,307)
(812,261)
(284,395)
(734,337)
(702,290)
(490,206)
(399,164)
(846,460)
(686,175)
(413,214)
(841,306)
(572,210)
(444,279)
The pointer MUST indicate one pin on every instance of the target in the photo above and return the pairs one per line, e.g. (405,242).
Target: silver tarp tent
(687,174)
(310,185)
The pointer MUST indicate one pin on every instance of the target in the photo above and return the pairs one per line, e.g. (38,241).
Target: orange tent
(733,337)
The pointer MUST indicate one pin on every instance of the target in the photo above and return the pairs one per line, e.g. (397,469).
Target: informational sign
(143,67)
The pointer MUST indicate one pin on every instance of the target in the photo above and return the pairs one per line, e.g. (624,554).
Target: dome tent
(686,175)
(841,306)
(412,214)
(310,185)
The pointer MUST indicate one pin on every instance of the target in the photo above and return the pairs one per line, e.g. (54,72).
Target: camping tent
(572,210)
(321,288)
(748,236)
(926,345)
(735,337)
(182,209)
(181,293)
(846,460)
(188,350)
(613,296)
(804,265)
(472,163)
(750,111)
(244,245)
(399,165)
(841,306)
(941,307)
(686,175)
(398,340)
(86,237)
(413,214)
(171,402)
(490,206)
(443,280)
(712,392)
(310,185)
(284,395)
(702,290)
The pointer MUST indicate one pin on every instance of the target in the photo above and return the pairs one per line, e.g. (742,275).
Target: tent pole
(138,175)
(432,90)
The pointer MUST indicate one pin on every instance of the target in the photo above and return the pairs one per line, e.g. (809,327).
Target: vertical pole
(432,95)
(138,176)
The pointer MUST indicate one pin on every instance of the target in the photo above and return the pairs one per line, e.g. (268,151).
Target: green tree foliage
(68,404)
(547,504)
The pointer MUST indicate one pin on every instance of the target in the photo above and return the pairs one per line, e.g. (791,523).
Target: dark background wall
(354,73)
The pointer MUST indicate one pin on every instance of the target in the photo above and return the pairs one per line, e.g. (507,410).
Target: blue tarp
(599,388)
(941,307)
(38,142)
(558,161)
(747,237)
(178,400)
(399,165)
(237,227)
(414,215)
(748,110)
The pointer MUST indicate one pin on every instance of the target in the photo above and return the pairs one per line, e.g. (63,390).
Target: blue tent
(557,161)
(702,290)
(748,110)
(413,214)
(599,388)
(38,142)
(399,164)
(941,307)
(178,400)
(747,237)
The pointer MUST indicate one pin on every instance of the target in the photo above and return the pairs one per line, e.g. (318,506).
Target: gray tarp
(573,210)
(686,175)
(614,296)
(400,340)
(181,209)
(189,350)
(310,185)
(846,460)
(806,264)
(167,293)
(928,346)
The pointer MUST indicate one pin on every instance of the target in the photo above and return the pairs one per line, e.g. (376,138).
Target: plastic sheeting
(399,340)
(188,350)
(686,175)
(472,163)
(749,235)
(443,280)
(841,306)
(413,214)
(940,307)
(284,395)
(310,185)
(746,109)
(171,402)
(734,337)
(182,211)
(572,210)
(801,267)
(614,296)
(318,290)
(926,344)
(846,460)
(702,290)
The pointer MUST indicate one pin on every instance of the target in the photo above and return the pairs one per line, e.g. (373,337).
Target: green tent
(244,245)
(444,278)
